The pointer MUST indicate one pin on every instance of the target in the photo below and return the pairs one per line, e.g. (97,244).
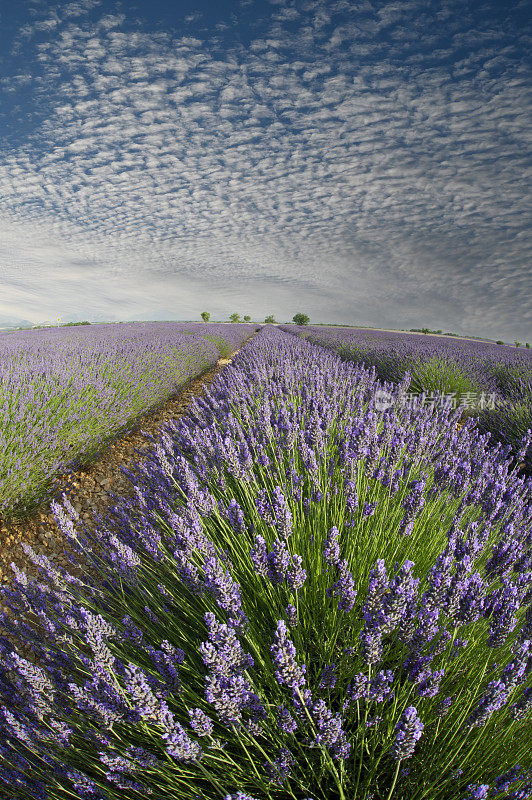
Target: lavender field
(65,391)
(489,381)
(309,598)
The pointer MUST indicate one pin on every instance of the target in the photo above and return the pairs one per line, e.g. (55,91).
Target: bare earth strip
(89,488)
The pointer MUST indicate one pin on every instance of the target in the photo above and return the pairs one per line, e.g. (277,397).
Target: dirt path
(89,488)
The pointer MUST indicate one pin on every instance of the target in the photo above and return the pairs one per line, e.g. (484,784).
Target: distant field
(64,391)
(488,380)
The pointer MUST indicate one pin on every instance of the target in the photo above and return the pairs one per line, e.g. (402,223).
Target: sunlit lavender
(307,598)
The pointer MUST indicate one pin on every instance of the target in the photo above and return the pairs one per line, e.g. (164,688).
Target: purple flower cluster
(228,689)
(409,730)
(288,672)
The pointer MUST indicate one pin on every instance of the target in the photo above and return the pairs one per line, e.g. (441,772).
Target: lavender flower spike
(288,673)
(409,730)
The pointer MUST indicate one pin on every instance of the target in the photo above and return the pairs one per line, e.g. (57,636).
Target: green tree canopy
(301,319)
(235,317)
(270,318)
(205,316)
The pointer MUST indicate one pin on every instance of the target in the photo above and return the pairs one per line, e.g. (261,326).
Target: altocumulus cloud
(363,161)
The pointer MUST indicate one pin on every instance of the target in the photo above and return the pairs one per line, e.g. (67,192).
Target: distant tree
(205,316)
(425,330)
(270,318)
(301,319)
(439,331)
(517,344)
(500,341)
(247,318)
(235,317)
(527,345)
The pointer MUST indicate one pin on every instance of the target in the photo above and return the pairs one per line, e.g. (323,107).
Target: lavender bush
(308,598)
(64,391)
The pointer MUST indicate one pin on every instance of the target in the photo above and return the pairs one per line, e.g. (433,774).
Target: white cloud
(370,179)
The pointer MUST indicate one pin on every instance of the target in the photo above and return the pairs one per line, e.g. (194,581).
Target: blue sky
(364,162)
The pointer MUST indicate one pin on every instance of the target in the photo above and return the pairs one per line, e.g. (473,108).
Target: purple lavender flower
(380,687)
(225,590)
(291,616)
(180,745)
(281,513)
(296,575)
(371,645)
(285,720)
(350,494)
(331,550)
(344,588)
(503,614)
(330,733)
(430,685)
(200,722)
(377,586)
(409,730)
(504,782)
(523,706)
(279,769)
(477,791)
(288,672)
(444,706)
(413,504)
(264,507)
(259,556)
(356,690)
(278,562)
(227,687)
(328,677)
(236,517)
(369,509)
(284,567)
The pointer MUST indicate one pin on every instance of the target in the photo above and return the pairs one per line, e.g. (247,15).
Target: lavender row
(308,598)
(64,391)
(489,381)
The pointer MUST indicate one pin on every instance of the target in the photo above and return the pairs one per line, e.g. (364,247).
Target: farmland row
(64,393)
(490,382)
(92,486)
(308,597)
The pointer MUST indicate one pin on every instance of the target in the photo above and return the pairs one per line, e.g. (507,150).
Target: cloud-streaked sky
(364,162)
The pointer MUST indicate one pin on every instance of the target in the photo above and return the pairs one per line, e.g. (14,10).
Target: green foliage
(517,344)
(270,318)
(301,319)
(500,341)
(205,316)
(527,345)
(440,375)
(235,317)
(247,318)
